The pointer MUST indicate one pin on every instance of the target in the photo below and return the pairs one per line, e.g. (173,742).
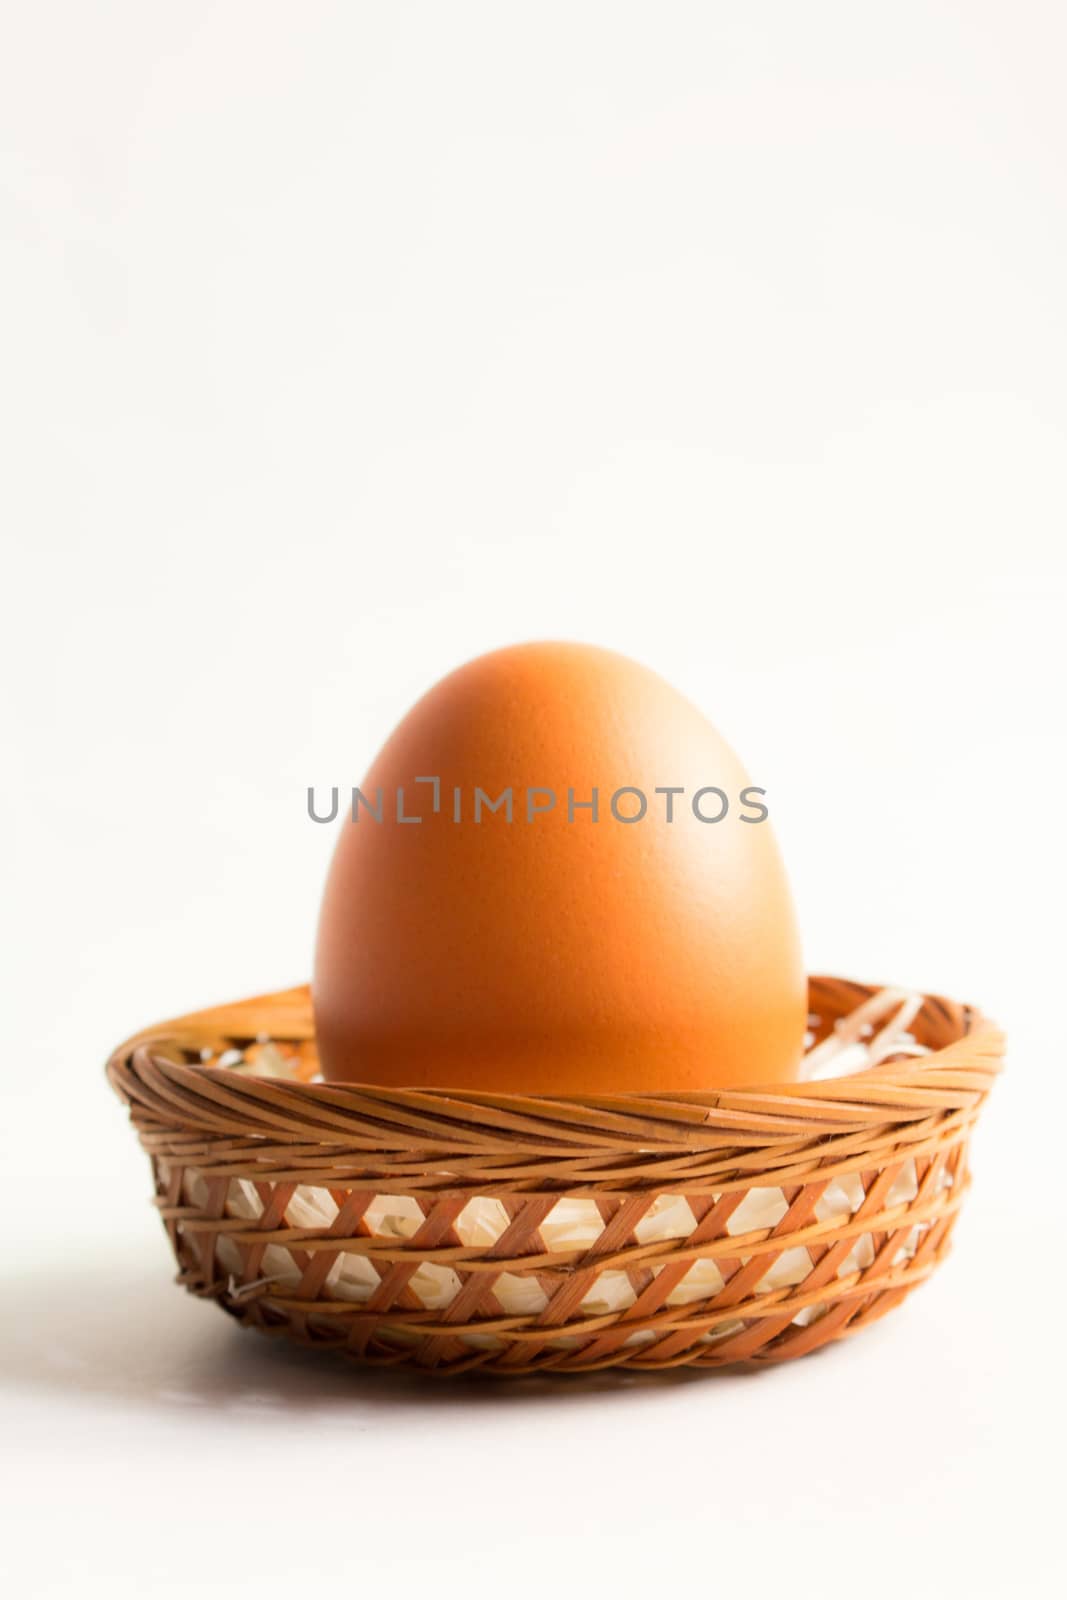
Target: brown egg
(640,946)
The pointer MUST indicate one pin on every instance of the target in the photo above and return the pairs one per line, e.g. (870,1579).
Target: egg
(557,878)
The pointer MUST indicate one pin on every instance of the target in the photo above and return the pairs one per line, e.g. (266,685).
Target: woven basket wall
(459,1231)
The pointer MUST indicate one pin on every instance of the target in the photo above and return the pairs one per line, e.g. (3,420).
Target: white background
(341,342)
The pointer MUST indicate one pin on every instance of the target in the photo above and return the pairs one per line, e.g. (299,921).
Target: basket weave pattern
(512,1234)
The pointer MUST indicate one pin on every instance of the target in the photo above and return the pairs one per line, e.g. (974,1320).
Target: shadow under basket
(459,1231)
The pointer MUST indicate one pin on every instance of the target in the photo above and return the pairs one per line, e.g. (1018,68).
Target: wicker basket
(461,1230)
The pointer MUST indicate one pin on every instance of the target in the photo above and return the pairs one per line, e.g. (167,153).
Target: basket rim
(954,1074)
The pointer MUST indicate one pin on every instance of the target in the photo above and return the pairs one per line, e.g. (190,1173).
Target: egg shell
(557,953)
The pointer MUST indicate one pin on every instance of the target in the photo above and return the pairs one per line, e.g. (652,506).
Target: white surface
(341,343)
